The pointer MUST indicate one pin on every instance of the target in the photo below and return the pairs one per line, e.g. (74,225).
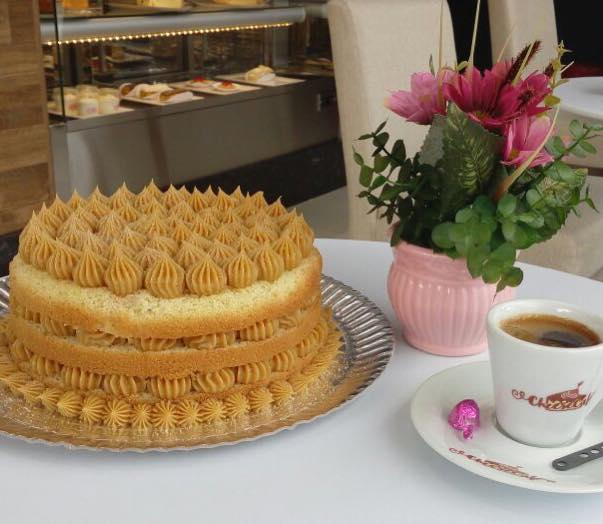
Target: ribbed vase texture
(441,307)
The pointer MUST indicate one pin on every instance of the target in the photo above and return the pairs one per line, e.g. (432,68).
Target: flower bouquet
(490,179)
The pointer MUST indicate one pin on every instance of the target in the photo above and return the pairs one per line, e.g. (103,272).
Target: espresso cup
(542,394)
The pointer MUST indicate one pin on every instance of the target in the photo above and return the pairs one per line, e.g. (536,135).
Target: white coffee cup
(542,394)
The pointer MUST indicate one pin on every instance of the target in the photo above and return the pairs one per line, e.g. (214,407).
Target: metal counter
(186,141)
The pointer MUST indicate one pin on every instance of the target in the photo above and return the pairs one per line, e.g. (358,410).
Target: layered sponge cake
(165,309)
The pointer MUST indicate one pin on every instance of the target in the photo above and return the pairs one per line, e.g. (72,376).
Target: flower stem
(474,37)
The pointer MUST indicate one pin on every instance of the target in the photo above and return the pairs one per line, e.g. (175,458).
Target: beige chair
(576,248)
(377,45)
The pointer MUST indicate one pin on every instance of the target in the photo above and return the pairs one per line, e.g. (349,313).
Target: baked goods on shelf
(86,100)
(158,92)
(260,73)
(240,2)
(171,4)
(165,309)
(225,86)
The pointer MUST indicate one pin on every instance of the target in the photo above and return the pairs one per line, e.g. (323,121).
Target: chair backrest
(528,20)
(377,45)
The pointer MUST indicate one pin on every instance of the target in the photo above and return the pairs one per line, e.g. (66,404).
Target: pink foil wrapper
(464,417)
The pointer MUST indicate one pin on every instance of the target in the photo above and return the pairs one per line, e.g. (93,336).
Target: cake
(260,73)
(165,309)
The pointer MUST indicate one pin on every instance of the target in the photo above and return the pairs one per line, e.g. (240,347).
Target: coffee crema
(550,330)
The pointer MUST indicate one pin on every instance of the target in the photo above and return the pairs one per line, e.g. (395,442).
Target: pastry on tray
(165,309)
(200,81)
(158,92)
(225,86)
(260,73)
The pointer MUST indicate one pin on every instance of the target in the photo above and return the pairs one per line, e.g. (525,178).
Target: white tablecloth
(364,463)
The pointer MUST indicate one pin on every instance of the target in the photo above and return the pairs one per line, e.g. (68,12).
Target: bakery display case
(178,90)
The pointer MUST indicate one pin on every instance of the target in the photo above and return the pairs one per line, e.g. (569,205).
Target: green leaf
(509,230)
(504,254)
(532,219)
(552,100)
(378,181)
(576,128)
(471,154)
(366,176)
(579,152)
(441,235)
(567,174)
(380,140)
(358,158)
(492,271)
(511,277)
(399,150)
(475,260)
(380,127)
(507,205)
(432,149)
(463,215)
(365,136)
(484,206)
(431,67)
(380,163)
(389,192)
(480,233)
(588,147)
(458,232)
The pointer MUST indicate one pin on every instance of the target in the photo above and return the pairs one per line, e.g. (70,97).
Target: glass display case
(178,90)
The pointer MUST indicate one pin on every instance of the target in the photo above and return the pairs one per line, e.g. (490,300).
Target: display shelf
(110,28)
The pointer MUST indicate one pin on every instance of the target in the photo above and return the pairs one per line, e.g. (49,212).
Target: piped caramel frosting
(123,276)
(246,238)
(165,278)
(289,251)
(270,264)
(188,255)
(132,239)
(205,277)
(241,271)
(42,251)
(147,257)
(62,261)
(171,197)
(90,269)
(60,209)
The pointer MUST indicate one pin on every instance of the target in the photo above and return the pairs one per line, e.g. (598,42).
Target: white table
(583,97)
(364,463)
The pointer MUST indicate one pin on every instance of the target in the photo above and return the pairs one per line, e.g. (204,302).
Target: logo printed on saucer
(564,401)
(499,466)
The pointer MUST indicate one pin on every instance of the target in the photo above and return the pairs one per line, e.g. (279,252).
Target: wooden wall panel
(25,166)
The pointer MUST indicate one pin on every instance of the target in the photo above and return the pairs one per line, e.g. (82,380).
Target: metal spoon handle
(573,460)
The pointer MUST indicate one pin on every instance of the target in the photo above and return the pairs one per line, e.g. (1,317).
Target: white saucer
(491,454)
(583,97)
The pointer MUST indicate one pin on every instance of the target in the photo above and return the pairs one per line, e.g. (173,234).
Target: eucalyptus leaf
(441,235)
(576,128)
(366,176)
(380,163)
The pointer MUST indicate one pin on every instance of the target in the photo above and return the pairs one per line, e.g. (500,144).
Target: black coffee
(549,330)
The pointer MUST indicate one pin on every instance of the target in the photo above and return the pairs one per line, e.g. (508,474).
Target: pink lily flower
(524,136)
(532,91)
(423,101)
(486,98)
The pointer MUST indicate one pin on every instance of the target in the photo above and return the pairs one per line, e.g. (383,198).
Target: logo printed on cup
(565,401)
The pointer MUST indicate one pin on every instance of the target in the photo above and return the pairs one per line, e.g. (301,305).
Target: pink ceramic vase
(441,307)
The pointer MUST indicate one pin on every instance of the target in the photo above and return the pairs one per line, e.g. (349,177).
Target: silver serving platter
(368,346)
